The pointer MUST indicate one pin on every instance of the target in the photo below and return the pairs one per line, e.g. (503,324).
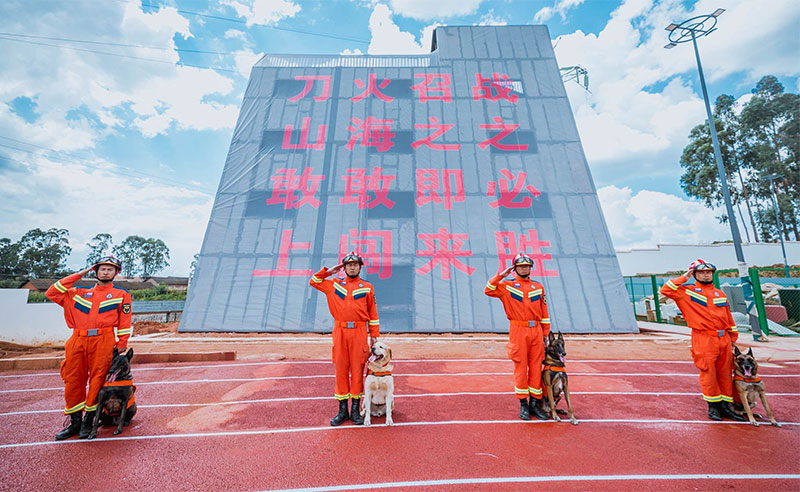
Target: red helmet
(108,260)
(701,265)
(351,257)
(522,259)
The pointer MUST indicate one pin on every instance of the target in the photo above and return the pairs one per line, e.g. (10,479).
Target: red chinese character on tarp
(438,92)
(372,88)
(428,186)
(507,196)
(374,133)
(441,129)
(284,188)
(375,247)
(303,143)
(441,253)
(505,130)
(359,184)
(507,249)
(283,259)
(326,87)
(498,87)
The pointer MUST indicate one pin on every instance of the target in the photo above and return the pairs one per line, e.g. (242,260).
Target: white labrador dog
(379,385)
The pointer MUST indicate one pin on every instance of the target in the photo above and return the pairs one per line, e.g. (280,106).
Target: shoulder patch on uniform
(126,308)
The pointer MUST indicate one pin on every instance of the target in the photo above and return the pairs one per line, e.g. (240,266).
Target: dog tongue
(373,358)
(563,360)
(748,373)
(112,377)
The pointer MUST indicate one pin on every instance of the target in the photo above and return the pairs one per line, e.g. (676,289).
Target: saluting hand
(85,271)
(507,271)
(336,268)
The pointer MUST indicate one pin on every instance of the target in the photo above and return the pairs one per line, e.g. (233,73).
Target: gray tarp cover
(437,168)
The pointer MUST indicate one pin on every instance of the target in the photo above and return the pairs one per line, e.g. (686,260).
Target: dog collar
(385,373)
(127,382)
(756,379)
(554,368)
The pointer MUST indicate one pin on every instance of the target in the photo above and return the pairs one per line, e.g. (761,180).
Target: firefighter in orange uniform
(351,302)
(526,308)
(92,313)
(706,311)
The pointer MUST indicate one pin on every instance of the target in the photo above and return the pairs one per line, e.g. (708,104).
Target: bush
(159,293)
(36,297)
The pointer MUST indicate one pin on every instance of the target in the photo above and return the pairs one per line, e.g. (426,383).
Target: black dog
(116,404)
(554,376)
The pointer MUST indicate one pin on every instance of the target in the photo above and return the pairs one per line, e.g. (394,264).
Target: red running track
(264,426)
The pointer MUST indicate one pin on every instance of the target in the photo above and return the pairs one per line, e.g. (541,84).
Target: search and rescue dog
(554,375)
(749,386)
(116,404)
(379,385)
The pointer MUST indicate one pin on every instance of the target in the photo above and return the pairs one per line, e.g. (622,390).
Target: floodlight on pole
(772,178)
(690,30)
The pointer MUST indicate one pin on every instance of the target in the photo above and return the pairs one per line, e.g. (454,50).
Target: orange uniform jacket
(523,300)
(706,311)
(95,307)
(704,307)
(349,299)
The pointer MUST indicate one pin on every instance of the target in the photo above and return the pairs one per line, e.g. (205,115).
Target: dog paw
(367,422)
(556,418)
(389,422)
(118,432)
(775,424)
(92,436)
(754,423)
(573,421)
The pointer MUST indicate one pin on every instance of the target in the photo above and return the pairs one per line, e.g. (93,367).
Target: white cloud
(491,19)
(388,39)
(263,11)
(560,7)
(648,218)
(349,52)
(434,9)
(245,59)
(235,34)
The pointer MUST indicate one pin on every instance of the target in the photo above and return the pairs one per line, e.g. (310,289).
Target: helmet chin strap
(704,282)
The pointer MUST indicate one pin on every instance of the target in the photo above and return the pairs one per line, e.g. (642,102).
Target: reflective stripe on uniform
(59,287)
(76,408)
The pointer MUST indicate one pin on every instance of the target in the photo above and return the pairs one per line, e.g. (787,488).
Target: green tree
(44,253)
(99,246)
(9,260)
(153,257)
(129,252)
(770,122)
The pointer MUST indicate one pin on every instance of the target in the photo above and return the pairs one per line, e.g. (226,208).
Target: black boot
(713,411)
(342,415)
(524,410)
(355,412)
(86,428)
(727,413)
(72,428)
(536,409)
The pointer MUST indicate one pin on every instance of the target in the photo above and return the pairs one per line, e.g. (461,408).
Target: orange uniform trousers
(526,350)
(86,358)
(350,354)
(713,356)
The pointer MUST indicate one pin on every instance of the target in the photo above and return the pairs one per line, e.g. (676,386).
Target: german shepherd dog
(116,404)
(749,386)
(554,375)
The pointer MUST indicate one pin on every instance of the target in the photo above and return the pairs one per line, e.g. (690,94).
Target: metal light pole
(690,30)
(771,178)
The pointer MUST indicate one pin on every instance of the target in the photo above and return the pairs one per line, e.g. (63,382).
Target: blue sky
(116,116)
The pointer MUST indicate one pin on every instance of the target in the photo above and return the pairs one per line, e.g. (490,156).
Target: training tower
(437,168)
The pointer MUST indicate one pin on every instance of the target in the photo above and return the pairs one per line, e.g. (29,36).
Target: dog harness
(756,379)
(379,374)
(127,382)
(554,368)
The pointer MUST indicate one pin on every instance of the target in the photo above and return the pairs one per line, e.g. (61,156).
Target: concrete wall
(30,324)
(669,257)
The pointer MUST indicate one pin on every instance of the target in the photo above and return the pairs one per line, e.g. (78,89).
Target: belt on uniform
(713,333)
(351,324)
(526,323)
(91,333)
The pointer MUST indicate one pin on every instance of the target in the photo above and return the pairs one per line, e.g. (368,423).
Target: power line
(73,157)
(239,21)
(179,63)
(108,43)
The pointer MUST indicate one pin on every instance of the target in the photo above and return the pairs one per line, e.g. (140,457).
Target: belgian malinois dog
(749,386)
(554,375)
(116,404)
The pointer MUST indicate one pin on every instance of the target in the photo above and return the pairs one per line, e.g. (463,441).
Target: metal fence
(643,292)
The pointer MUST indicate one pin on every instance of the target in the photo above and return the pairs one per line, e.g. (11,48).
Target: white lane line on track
(360,428)
(174,367)
(444,374)
(418,395)
(546,479)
